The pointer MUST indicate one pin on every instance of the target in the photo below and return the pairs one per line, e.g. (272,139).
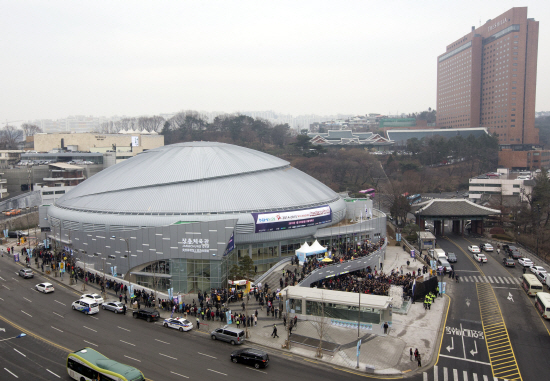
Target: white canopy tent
(306,251)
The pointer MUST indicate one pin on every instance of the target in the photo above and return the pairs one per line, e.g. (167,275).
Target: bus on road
(88,364)
(369,192)
(414,198)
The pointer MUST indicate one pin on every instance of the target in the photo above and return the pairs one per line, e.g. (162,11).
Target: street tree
(30,129)
(10,136)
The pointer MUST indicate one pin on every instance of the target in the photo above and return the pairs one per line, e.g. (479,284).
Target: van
(86,305)
(440,253)
(444,264)
(229,334)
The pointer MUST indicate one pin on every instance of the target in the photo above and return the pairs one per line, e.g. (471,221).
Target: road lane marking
(125,329)
(19,352)
(164,342)
(467,360)
(506,279)
(27,299)
(57,301)
(57,329)
(499,348)
(1,299)
(26,313)
(490,279)
(53,373)
(435,373)
(8,289)
(465,373)
(93,317)
(215,371)
(7,370)
(170,357)
(89,328)
(207,355)
(15,279)
(501,280)
(59,315)
(131,358)
(125,342)
(261,371)
(95,345)
(177,374)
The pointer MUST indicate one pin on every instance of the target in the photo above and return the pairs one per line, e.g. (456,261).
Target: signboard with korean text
(135,141)
(284,220)
(195,245)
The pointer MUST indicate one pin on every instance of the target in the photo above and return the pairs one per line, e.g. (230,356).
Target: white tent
(316,248)
(302,252)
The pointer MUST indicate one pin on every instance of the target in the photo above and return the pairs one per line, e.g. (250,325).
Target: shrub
(503,237)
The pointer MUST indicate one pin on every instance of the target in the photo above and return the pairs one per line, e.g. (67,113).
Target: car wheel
(165,325)
(74,308)
(148,320)
(232,342)
(116,312)
(257,365)
(213,337)
(103,307)
(135,316)
(234,359)
(181,329)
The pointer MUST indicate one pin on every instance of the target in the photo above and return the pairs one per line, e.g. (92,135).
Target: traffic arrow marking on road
(468,302)
(510,297)
(452,346)
(472,351)
(3,329)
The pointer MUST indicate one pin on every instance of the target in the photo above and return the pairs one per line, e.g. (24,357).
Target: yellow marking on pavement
(469,255)
(444,325)
(501,355)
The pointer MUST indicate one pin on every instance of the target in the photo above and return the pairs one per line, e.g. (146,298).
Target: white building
(502,182)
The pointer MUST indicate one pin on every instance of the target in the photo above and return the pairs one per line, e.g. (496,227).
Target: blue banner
(230,245)
(228,317)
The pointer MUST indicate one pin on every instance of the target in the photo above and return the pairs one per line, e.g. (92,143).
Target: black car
(451,257)
(508,262)
(16,234)
(251,356)
(146,314)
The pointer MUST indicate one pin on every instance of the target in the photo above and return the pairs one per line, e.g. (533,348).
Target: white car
(480,257)
(86,305)
(488,247)
(180,324)
(116,307)
(474,249)
(45,287)
(525,262)
(95,297)
(537,269)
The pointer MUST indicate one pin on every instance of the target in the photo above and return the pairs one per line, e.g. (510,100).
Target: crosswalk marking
(455,375)
(491,279)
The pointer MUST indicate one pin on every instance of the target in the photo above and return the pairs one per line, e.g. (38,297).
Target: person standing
(386,326)
(274,333)
(198,324)
(416,353)
(411,353)
(419,359)
(124,309)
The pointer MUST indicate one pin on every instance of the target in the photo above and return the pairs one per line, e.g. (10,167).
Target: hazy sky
(133,58)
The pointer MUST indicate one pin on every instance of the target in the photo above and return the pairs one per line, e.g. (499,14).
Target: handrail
(272,269)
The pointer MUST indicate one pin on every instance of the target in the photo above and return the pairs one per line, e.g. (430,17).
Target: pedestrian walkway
(491,279)
(446,374)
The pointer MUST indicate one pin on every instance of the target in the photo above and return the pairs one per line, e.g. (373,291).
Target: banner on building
(230,245)
(284,220)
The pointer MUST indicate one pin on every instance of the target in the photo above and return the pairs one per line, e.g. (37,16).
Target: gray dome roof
(198,177)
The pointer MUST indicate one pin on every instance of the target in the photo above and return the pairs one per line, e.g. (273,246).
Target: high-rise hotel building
(488,78)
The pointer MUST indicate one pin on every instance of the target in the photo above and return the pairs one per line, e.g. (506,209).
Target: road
(54,329)
(493,330)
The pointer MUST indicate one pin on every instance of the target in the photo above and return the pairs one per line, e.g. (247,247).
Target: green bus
(90,365)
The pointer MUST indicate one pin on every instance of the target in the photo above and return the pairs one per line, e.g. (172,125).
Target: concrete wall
(20,222)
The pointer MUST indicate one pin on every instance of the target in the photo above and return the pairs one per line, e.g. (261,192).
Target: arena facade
(177,216)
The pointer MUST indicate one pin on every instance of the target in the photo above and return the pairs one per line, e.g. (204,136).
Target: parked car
(542,277)
(452,257)
(480,257)
(508,262)
(146,314)
(474,249)
(229,334)
(116,307)
(525,262)
(12,212)
(99,300)
(486,247)
(88,306)
(45,287)
(180,324)
(26,273)
(537,269)
(251,356)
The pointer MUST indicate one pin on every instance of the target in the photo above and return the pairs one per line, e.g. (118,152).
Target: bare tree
(30,129)
(320,324)
(10,136)
(151,123)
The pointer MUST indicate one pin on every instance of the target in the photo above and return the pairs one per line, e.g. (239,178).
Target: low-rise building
(62,178)
(503,183)
(9,157)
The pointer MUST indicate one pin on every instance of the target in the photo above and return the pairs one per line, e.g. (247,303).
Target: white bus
(542,301)
(531,284)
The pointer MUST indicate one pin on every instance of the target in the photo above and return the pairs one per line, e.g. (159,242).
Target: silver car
(26,273)
(116,307)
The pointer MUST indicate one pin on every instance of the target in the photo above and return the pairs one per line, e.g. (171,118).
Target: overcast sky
(134,58)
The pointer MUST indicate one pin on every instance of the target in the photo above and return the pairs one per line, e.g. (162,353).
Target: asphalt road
(160,353)
(493,328)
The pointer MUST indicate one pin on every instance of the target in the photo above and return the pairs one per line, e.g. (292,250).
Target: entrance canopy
(306,250)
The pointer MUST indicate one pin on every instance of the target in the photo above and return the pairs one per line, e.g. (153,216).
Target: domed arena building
(180,215)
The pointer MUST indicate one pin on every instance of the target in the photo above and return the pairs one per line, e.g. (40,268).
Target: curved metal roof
(198,177)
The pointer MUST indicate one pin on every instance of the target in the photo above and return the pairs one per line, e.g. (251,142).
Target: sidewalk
(380,354)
